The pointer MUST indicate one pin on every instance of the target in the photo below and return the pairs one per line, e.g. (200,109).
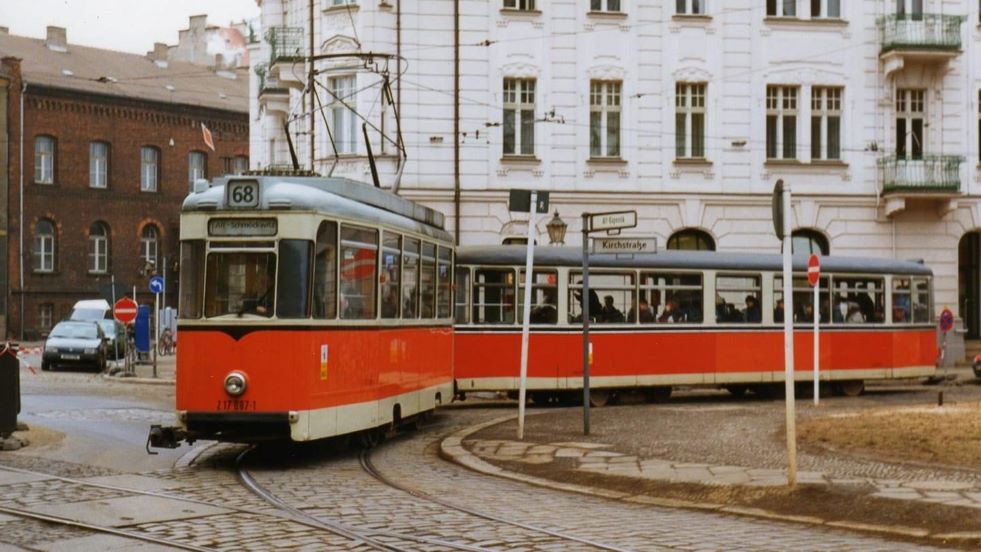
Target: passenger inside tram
(643,313)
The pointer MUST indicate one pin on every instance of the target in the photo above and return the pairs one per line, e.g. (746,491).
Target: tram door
(969,283)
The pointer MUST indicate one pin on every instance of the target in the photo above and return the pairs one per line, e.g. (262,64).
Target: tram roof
(713,260)
(333,196)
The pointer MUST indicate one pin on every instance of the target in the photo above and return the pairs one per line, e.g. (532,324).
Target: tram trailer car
(309,308)
(685,318)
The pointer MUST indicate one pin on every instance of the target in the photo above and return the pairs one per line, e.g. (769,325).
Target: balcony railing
(927,31)
(929,174)
(285,42)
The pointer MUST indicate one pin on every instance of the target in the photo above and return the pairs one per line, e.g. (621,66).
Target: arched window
(692,240)
(149,240)
(99,247)
(809,241)
(44,246)
(44,159)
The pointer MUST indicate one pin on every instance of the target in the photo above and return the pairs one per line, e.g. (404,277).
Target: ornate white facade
(913,78)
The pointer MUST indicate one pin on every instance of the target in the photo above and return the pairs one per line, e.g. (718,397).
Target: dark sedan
(76,343)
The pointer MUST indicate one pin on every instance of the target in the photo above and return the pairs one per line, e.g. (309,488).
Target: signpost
(156,286)
(781,225)
(946,323)
(530,201)
(612,222)
(814,279)
(124,310)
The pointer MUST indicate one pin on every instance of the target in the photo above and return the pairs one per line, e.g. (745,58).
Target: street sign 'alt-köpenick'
(613,221)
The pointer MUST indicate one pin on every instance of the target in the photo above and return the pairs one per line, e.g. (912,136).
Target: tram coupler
(164,437)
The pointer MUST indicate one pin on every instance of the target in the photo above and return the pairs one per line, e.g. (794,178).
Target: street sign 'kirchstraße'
(625,245)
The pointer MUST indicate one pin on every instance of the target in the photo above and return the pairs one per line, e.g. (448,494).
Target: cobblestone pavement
(332,484)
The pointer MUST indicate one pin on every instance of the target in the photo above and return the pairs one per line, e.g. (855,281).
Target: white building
(687,111)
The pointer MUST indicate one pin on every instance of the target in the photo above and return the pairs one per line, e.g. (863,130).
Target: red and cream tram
(685,318)
(309,308)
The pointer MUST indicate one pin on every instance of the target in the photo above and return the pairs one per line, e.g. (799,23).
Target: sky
(126,25)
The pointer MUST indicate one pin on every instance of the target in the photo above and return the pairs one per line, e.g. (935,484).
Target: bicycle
(166,345)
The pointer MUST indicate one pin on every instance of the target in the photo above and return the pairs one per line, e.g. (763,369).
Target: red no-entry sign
(125,310)
(813,270)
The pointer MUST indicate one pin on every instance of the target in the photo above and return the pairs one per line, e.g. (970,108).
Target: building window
(235,165)
(519,116)
(527,5)
(830,9)
(910,116)
(99,248)
(825,123)
(45,317)
(604,119)
(343,2)
(149,239)
(912,8)
(690,7)
(808,242)
(691,239)
(44,246)
(604,5)
(44,153)
(781,8)
(689,120)
(149,168)
(98,164)
(781,122)
(345,125)
(197,165)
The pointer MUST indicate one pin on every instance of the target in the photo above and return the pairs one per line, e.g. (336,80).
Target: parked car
(91,309)
(115,338)
(75,342)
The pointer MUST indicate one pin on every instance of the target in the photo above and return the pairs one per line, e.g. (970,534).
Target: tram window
(493,296)
(922,309)
(325,273)
(240,283)
(293,285)
(359,251)
(737,299)
(391,263)
(902,306)
(443,290)
(192,276)
(462,294)
(803,300)
(610,297)
(544,296)
(858,300)
(668,297)
(410,279)
(427,281)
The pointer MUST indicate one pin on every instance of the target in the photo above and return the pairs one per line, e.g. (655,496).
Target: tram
(685,318)
(309,308)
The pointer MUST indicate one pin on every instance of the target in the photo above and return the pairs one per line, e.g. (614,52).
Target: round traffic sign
(813,270)
(946,320)
(156,284)
(125,310)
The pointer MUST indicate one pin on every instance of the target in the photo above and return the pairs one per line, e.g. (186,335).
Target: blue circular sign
(946,320)
(157,284)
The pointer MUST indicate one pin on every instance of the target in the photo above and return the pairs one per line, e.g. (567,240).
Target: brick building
(103,146)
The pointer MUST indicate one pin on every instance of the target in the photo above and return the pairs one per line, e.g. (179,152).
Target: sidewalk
(143,372)
(670,455)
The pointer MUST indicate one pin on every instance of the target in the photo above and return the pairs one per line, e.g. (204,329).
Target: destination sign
(242,227)
(625,245)
(613,221)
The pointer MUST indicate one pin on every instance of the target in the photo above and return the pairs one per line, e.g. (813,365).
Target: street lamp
(556,230)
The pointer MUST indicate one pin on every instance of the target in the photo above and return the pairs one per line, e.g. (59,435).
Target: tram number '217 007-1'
(235,405)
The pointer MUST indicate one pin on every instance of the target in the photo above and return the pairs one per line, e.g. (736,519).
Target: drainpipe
(456,120)
(20,231)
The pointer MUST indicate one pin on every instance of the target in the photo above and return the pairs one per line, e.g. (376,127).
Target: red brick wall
(76,120)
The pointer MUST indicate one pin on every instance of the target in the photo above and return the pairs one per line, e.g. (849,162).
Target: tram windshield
(240,283)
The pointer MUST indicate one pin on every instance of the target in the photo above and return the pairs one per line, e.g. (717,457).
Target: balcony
(932,179)
(286,44)
(272,95)
(923,38)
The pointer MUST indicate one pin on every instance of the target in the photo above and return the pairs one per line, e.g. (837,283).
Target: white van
(91,309)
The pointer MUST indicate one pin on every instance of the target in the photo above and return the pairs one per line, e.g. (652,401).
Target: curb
(151,381)
(451,449)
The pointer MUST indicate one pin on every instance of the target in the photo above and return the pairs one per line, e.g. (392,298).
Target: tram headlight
(235,384)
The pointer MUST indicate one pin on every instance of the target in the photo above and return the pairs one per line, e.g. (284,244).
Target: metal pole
(788,342)
(526,321)
(156,330)
(112,282)
(585,324)
(817,342)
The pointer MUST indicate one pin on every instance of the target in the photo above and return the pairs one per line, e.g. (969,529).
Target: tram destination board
(625,246)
